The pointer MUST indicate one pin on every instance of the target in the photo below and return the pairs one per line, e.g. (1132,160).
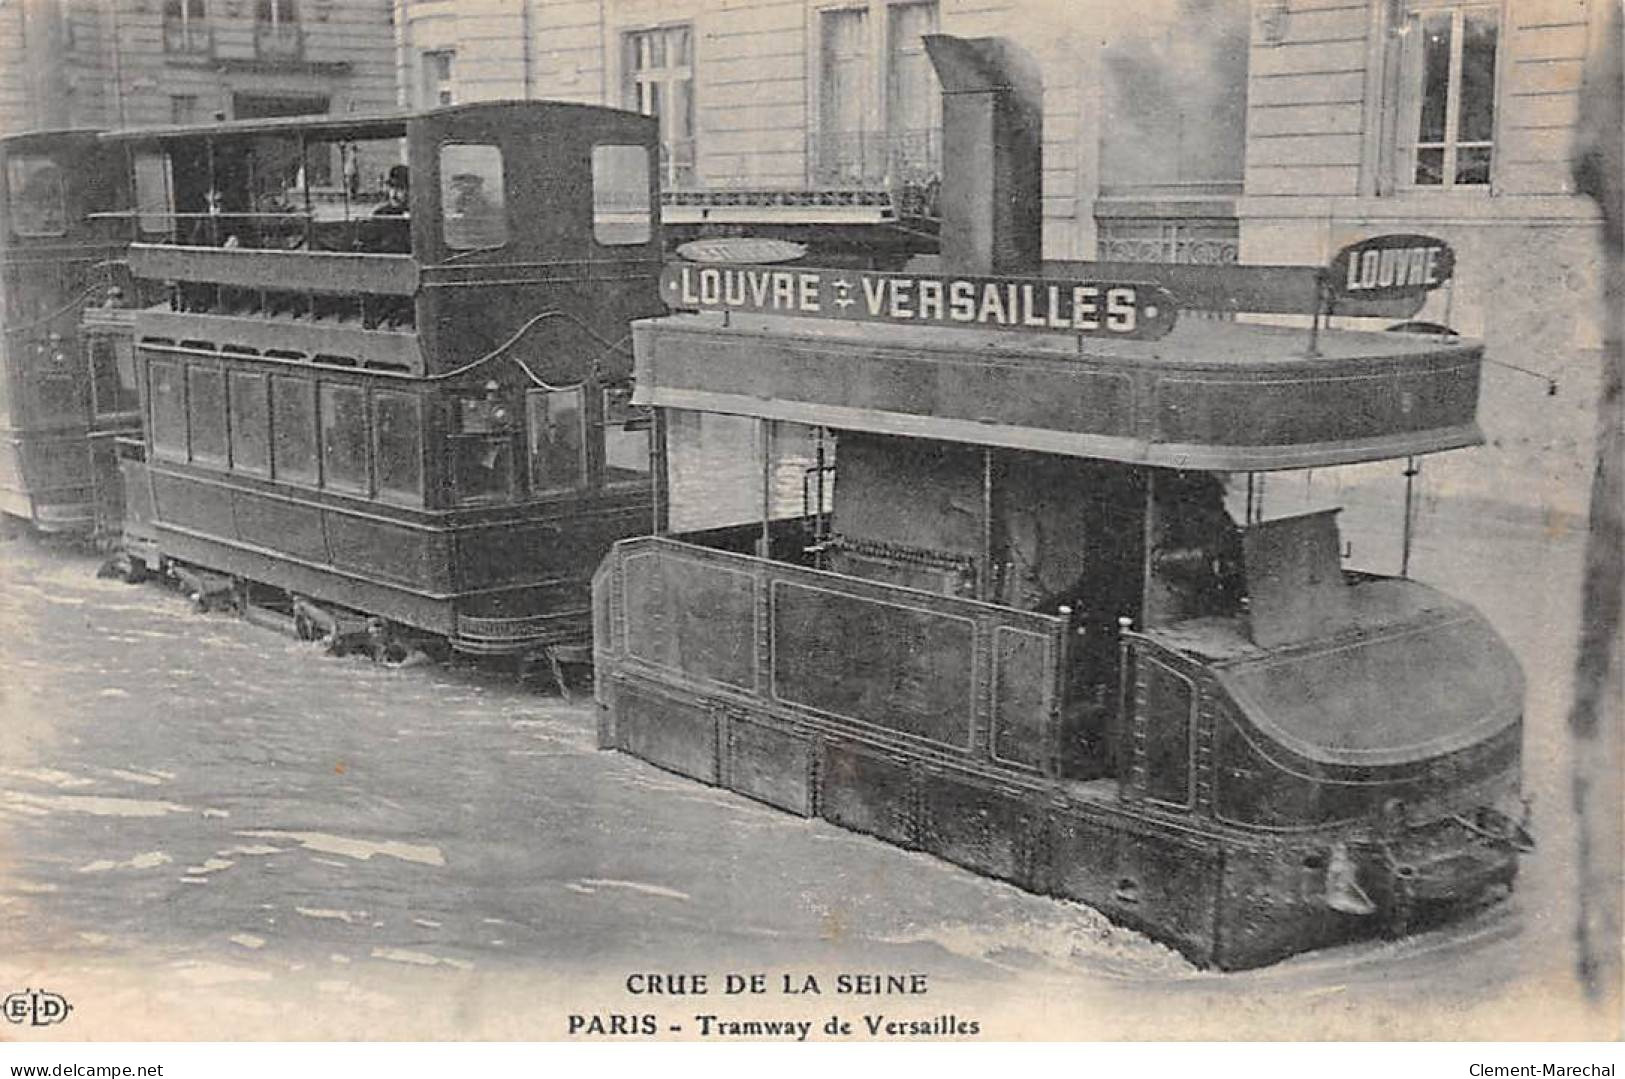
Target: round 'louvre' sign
(1385,267)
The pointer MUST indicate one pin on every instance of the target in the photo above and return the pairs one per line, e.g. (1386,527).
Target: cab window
(38,202)
(554,423)
(112,375)
(482,448)
(621,208)
(627,430)
(472,210)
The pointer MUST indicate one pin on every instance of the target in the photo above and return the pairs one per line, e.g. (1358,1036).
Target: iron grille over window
(660,82)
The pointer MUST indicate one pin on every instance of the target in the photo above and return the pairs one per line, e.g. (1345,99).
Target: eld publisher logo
(35,1007)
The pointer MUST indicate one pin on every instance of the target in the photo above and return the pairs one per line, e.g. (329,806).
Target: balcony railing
(855,158)
(907,163)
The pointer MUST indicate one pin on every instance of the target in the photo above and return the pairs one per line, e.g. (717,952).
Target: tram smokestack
(992,144)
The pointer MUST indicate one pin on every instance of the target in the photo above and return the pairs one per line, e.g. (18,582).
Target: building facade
(818,96)
(120,63)
(1454,118)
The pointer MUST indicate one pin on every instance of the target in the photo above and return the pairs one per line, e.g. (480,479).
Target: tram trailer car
(1030,638)
(384,366)
(66,374)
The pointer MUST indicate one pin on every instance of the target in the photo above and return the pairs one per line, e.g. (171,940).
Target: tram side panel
(929,721)
(458,471)
(54,261)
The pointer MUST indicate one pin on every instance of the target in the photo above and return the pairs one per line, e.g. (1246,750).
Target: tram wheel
(387,647)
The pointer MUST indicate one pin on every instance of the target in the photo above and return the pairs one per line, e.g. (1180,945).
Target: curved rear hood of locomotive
(1420,701)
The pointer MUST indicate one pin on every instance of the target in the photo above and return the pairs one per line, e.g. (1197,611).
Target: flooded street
(211,831)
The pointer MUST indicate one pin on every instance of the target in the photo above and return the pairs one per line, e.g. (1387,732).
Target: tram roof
(46,134)
(375,124)
(1212,394)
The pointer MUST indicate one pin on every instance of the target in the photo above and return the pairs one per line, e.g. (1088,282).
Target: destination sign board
(1398,264)
(1122,309)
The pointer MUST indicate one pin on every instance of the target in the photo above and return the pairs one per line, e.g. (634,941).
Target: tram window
(154,195)
(344,438)
(398,442)
(626,438)
(250,423)
(621,211)
(554,423)
(168,398)
(206,406)
(112,375)
(482,467)
(472,210)
(293,430)
(38,201)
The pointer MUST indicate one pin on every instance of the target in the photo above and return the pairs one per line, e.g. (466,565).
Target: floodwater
(211,831)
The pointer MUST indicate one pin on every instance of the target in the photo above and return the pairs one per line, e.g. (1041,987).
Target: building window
(276,28)
(436,72)
(182,108)
(473,217)
(845,153)
(660,82)
(1447,96)
(913,97)
(186,30)
(871,132)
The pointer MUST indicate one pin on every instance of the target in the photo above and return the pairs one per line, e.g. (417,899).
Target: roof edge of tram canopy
(1212,395)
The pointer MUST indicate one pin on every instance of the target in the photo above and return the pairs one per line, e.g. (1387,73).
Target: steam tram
(1039,628)
(384,369)
(67,384)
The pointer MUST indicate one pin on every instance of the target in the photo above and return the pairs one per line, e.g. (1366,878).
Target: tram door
(1069,536)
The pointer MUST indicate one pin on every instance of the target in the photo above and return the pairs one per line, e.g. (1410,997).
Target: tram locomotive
(384,367)
(66,374)
(1029,632)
